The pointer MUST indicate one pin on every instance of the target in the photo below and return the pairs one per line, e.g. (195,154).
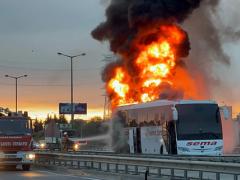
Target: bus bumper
(212,153)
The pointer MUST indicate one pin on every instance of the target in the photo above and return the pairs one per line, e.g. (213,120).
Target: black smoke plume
(125,19)
(131,22)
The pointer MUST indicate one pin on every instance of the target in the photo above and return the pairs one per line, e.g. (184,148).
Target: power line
(25,62)
(53,101)
(48,85)
(47,69)
(58,77)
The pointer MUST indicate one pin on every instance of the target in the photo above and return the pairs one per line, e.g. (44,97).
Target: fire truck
(16,140)
(168,127)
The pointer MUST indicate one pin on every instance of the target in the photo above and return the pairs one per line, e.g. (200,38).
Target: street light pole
(16,78)
(16,95)
(71,57)
(72,115)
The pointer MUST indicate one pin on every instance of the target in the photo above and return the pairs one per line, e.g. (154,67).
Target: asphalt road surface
(35,174)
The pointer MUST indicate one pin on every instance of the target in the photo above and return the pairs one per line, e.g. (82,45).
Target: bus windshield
(198,122)
(15,127)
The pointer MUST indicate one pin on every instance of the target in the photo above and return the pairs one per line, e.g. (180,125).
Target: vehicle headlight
(76,146)
(30,156)
(183,149)
(42,145)
(218,148)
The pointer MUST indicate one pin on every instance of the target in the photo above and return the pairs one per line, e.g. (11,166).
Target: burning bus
(168,127)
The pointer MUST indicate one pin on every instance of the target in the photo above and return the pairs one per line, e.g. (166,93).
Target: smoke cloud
(209,33)
(126,18)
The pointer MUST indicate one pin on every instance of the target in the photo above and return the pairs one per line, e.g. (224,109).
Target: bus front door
(172,138)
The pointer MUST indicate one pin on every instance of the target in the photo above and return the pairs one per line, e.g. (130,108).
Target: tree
(133,123)
(96,119)
(62,118)
(38,125)
(48,119)
(55,118)
(95,126)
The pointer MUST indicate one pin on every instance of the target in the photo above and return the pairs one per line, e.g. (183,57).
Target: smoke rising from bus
(152,46)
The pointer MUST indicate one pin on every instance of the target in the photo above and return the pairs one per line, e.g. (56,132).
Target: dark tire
(26,167)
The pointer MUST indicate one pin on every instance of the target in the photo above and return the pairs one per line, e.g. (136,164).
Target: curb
(100,174)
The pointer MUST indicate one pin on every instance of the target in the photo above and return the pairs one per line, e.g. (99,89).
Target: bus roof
(161,103)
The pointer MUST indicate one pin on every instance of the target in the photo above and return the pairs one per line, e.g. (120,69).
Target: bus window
(199,122)
(122,116)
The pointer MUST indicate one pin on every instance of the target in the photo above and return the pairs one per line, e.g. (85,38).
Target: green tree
(95,126)
(96,119)
(38,125)
(55,118)
(133,123)
(48,119)
(62,118)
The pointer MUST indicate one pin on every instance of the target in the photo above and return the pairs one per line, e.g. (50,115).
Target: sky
(33,32)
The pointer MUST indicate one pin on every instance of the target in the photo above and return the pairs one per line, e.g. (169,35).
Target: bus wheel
(161,150)
(26,167)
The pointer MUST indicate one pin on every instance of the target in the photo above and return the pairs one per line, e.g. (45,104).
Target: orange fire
(156,64)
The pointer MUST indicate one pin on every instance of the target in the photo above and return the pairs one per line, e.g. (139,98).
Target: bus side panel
(151,138)
(131,141)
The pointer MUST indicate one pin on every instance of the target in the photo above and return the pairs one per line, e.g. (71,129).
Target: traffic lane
(19,174)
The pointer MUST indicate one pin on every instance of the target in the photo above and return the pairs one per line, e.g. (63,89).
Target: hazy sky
(31,34)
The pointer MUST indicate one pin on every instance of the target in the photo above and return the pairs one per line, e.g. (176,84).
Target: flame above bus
(157,71)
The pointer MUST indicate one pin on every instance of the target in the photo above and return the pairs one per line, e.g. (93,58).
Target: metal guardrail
(106,152)
(74,161)
(87,148)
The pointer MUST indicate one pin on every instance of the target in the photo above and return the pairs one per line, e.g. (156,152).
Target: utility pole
(107,107)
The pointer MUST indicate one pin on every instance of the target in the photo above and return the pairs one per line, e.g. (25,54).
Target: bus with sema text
(168,127)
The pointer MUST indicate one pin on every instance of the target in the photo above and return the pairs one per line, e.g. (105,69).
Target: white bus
(168,127)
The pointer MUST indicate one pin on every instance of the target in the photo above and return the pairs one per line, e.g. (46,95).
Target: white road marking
(67,175)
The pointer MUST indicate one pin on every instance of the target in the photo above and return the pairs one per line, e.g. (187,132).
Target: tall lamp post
(16,78)
(71,57)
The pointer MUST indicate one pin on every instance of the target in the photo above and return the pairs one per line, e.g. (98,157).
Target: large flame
(156,65)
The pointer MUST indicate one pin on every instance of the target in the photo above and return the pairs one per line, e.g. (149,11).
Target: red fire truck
(16,140)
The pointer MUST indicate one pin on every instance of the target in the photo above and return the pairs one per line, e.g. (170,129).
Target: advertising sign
(78,108)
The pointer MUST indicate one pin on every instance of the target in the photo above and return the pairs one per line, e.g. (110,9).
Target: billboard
(78,108)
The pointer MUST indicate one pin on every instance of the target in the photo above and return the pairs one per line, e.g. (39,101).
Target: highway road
(35,174)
